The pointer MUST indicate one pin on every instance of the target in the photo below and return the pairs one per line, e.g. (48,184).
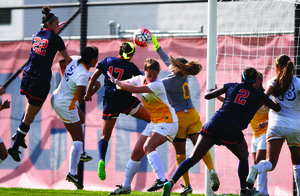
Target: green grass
(52,192)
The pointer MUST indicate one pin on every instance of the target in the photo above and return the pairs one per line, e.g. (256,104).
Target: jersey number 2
(241,98)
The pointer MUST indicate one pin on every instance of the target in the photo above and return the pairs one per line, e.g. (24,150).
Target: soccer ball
(142,37)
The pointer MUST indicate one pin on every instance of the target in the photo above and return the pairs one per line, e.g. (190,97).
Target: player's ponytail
(48,17)
(184,67)
(285,76)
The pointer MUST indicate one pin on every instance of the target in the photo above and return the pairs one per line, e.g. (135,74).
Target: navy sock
(102,148)
(20,136)
(182,169)
(243,172)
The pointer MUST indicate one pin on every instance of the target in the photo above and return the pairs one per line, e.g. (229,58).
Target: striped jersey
(289,114)
(156,103)
(76,74)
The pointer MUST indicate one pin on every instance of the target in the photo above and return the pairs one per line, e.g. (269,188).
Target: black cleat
(22,144)
(14,154)
(85,157)
(158,184)
(74,180)
(121,190)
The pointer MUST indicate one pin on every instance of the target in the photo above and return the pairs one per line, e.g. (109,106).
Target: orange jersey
(260,116)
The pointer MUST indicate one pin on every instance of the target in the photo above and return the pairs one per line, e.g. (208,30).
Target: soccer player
(116,101)
(163,126)
(5,105)
(189,123)
(283,125)
(259,125)
(72,88)
(35,83)
(225,127)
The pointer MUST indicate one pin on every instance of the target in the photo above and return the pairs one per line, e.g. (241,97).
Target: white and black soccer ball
(142,37)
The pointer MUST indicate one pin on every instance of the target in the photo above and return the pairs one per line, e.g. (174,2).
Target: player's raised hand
(155,42)
(60,25)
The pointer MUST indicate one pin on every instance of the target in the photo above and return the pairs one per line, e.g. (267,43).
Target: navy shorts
(113,108)
(35,89)
(223,132)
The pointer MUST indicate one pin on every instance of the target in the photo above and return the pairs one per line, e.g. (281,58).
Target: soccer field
(29,192)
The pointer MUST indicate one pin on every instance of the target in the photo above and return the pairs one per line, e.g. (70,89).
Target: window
(5,17)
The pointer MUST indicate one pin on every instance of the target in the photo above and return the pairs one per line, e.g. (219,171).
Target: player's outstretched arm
(163,56)
(89,93)
(213,93)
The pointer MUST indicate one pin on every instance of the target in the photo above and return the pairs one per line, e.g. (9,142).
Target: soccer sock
(182,169)
(208,161)
(264,166)
(296,170)
(102,148)
(261,181)
(185,177)
(132,168)
(75,152)
(266,186)
(21,133)
(156,165)
(243,171)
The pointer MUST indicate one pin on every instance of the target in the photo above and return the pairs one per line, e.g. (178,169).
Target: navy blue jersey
(240,104)
(45,44)
(121,70)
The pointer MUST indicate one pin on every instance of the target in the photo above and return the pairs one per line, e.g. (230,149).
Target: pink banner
(46,160)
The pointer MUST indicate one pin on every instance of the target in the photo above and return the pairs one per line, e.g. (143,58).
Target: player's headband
(276,61)
(51,19)
(259,74)
(252,81)
(125,54)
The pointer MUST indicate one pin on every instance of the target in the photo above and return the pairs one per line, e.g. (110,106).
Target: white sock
(261,182)
(75,152)
(156,165)
(264,166)
(132,168)
(266,188)
(296,170)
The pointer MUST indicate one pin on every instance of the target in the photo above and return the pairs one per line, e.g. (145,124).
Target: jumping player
(283,125)
(116,101)
(163,126)
(71,89)
(189,123)
(225,127)
(35,83)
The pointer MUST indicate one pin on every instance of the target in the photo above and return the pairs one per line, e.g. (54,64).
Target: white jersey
(156,103)
(66,93)
(289,114)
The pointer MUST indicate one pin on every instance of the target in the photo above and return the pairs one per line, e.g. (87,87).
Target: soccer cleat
(158,184)
(121,190)
(22,144)
(84,157)
(101,170)
(214,180)
(74,180)
(14,154)
(252,176)
(186,190)
(166,189)
(249,192)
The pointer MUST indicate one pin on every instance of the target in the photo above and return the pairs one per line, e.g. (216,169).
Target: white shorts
(1,140)
(168,130)
(292,136)
(67,116)
(259,143)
